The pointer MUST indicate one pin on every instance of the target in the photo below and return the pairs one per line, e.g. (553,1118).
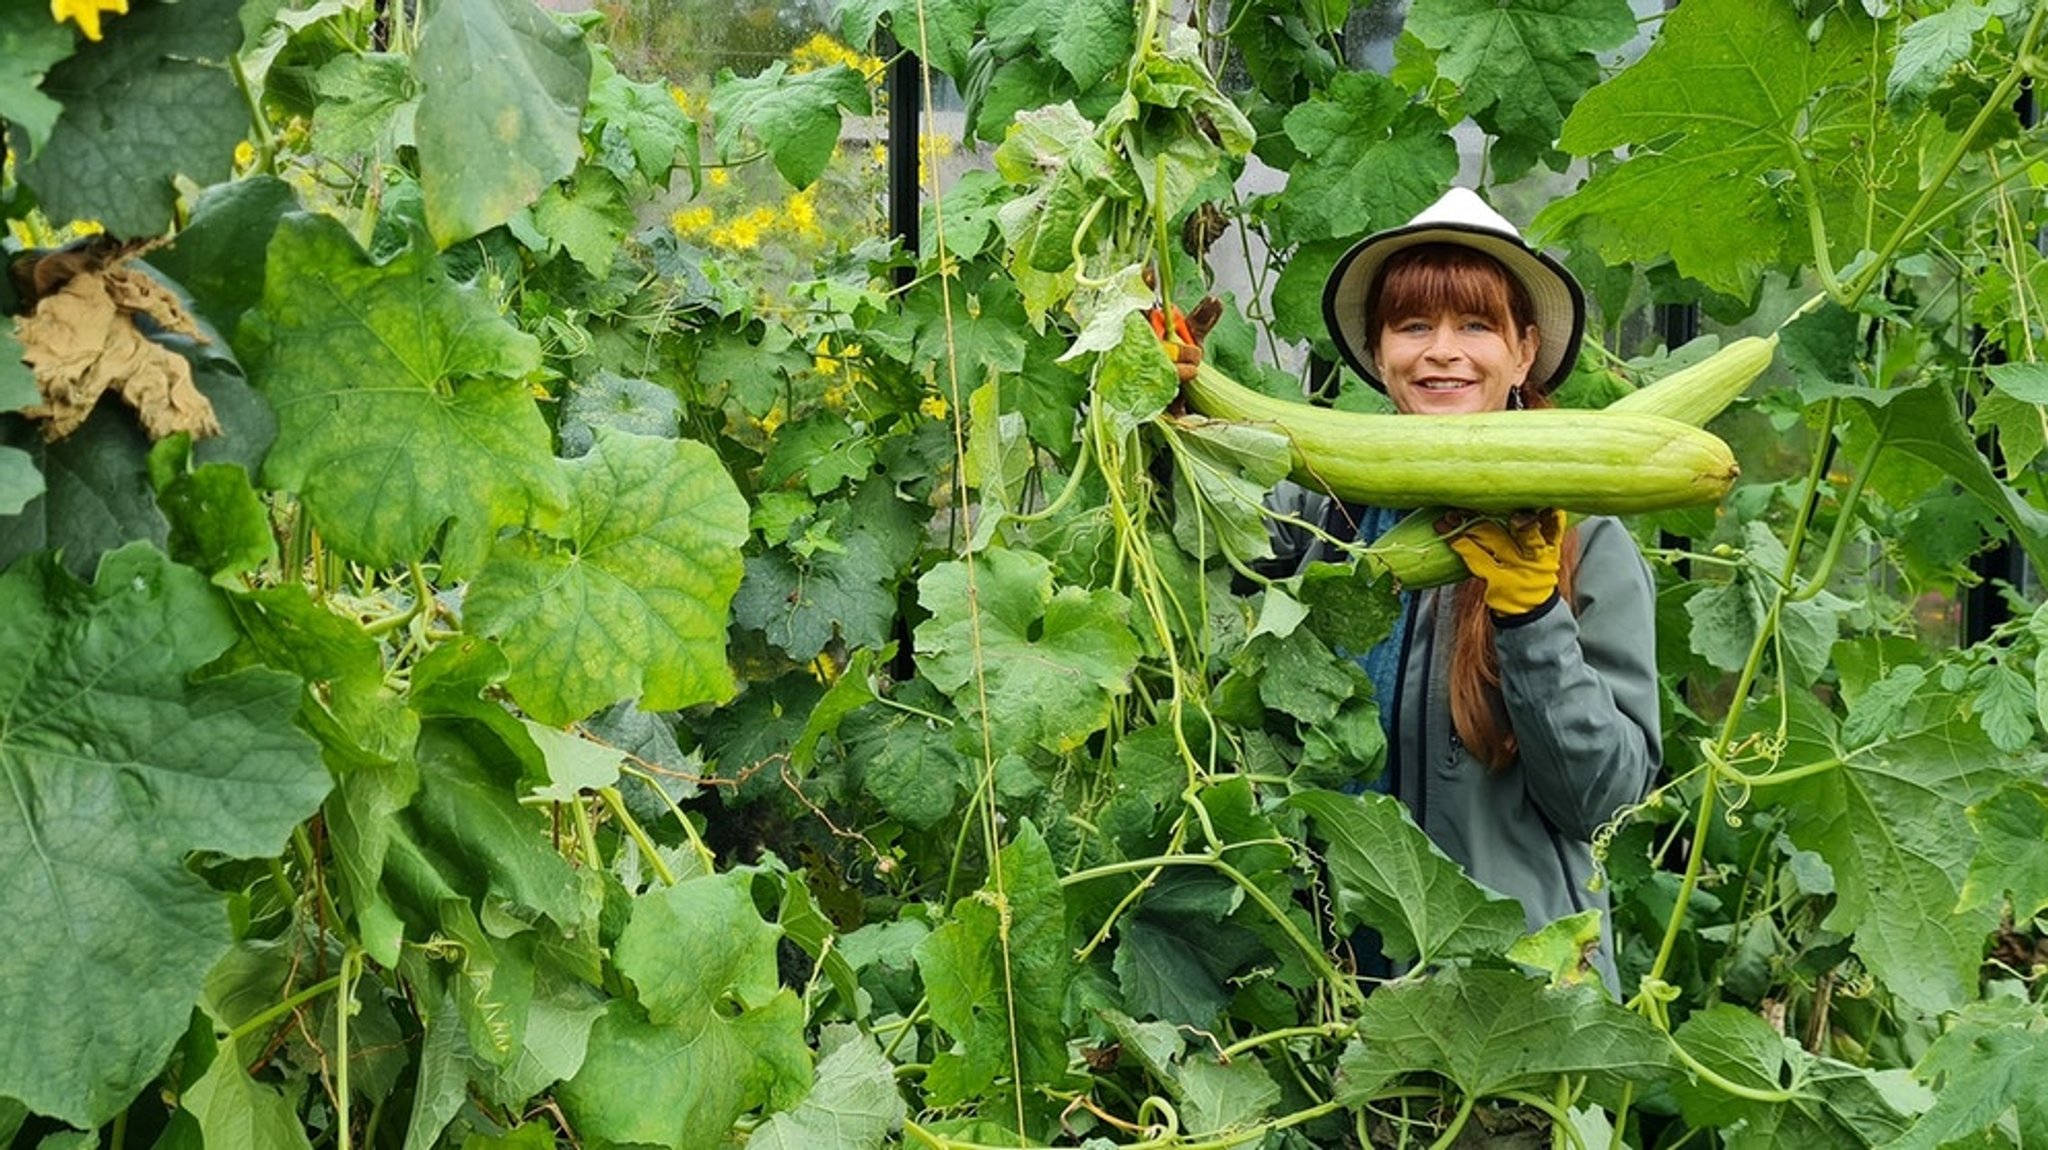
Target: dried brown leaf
(82,340)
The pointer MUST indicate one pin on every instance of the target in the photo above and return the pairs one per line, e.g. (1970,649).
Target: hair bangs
(1432,279)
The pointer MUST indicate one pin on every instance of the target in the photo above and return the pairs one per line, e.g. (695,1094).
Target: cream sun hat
(1459,217)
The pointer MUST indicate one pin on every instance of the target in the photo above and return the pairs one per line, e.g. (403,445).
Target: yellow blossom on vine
(683,99)
(691,221)
(744,232)
(830,359)
(718,177)
(801,209)
(822,51)
(86,13)
(934,406)
(245,156)
(769,422)
(879,155)
(838,396)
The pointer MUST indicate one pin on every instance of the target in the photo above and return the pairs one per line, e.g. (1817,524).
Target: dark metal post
(905,103)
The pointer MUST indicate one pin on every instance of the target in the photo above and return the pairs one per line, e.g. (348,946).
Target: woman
(1521,706)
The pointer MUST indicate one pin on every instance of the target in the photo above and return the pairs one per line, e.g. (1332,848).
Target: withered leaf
(83,339)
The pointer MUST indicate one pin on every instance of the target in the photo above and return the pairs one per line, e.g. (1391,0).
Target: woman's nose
(1443,342)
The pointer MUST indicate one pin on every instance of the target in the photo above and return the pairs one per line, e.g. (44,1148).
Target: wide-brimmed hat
(1460,217)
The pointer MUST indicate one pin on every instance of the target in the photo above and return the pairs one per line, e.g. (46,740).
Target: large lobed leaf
(713,1034)
(1520,66)
(632,601)
(1041,665)
(152,102)
(1893,822)
(117,765)
(501,113)
(1389,876)
(1374,159)
(399,404)
(794,116)
(1709,117)
(1491,1031)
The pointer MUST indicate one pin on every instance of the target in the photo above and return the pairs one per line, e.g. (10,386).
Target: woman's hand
(1518,558)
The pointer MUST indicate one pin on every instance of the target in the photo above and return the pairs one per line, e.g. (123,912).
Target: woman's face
(1452,361)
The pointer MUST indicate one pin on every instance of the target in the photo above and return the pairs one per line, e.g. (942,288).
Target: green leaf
(996,976)
(655,130)
(1045,664)
(497,77)
(1892,821)
(465,836)
(2012,852)
(117,766)
(153,102)
(218,523)
(618,402)
(400,408)
(234,1110)
(367,104)
(1491,1031)
(942,32)
(1696,157)
(853,1105)
(1391,877)
(1929,47)
(1216,1097)
(1134,381)
(32,44)
(20,480)
(587,216)
(630,602)
(905,764)
(1089,38)
(719,1036)
(795,117)
(1519,67)
(1835,1105)
(1161,973)
(1229,469)
(1375,158)
(1989,1065)
(802,602)
(219,255)
(1924,423)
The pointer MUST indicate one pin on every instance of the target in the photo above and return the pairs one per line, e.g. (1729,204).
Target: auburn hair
(1429,279)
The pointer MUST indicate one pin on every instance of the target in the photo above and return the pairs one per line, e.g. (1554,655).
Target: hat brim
(1559,303)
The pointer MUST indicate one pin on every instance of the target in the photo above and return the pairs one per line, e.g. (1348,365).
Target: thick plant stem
(351,969)
(1716,753)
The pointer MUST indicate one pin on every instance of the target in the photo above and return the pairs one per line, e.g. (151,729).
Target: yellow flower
(245,154)
(740,234)
(838,396)
(802,212)
(822,51)
(934,406)
(718,177)
(86,13)
(691,221)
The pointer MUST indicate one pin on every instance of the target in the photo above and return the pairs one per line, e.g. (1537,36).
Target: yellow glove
(1182,333)
(1518,559)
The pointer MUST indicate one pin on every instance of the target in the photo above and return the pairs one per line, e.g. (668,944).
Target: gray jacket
(1579,683)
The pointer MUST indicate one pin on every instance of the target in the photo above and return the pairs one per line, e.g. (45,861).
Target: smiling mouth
(1442,384)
